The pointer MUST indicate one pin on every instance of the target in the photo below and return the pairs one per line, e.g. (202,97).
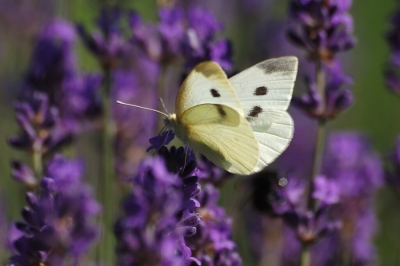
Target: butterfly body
(241,123)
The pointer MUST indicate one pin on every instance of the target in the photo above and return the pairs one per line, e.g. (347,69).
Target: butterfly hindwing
(206,84)
(273,138)
(223,135)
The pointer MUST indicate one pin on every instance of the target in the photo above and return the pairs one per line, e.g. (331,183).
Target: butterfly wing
(206,84)
(223,135)
(265,91)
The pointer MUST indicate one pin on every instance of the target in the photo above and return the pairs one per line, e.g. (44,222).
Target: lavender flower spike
(323,27)
(155,219)
(57,226)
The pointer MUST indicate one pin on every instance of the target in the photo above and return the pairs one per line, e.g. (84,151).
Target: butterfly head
(172,123)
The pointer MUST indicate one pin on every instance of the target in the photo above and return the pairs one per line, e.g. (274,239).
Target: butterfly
(240,123)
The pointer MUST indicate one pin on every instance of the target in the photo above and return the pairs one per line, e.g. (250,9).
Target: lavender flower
(393,173)
(337,97)
(107,43)
(323,29)
(53,71)
(182,32)
(23,173)
(392,71)
(157,214)
(53,60)
(42,128)
(57,226)
(213,244)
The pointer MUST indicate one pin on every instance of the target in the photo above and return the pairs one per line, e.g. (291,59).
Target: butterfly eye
(215,93)
(260,91)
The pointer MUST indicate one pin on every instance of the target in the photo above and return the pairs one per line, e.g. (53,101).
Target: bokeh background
(250,25)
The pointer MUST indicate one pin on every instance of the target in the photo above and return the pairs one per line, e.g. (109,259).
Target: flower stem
(305,255)
(318,154)
(106,187)
(320,138)
(38,164)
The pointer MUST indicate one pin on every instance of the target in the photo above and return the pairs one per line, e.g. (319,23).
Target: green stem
(38,164)
(318,154)
(320,138)
(106,187)
(305,256)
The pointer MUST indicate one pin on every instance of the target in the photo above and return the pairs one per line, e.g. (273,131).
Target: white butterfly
(241,123)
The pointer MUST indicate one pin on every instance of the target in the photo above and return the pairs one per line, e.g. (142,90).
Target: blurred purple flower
(53,70)
(183,32)
(392,74)
(53,60)
(58,225)
(156,217)
(42,128)
(393,173)
(353,165)
(213,244)
(198,43)
(321,27)
(23,173)
(107,43)
(133,125)
(326,191)
(338,96)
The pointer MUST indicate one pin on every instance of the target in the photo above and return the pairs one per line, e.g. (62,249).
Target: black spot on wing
(221,110)
(215,93)
(254,112)
(260,91)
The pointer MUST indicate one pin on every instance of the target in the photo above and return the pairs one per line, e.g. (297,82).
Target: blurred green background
(376,111)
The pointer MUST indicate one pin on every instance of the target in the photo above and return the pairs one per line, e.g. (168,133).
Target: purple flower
(393,172)
(326,191)
(107,43)
(323,28)
(58,225)
(53,59)
(213,244)
(392,70)
(338,96)
(156,217)
(80,97)
(53,71)
(162,140)
(23,173)
(187,33)
(353,165)
(133,125)
(198,43)
(42,128)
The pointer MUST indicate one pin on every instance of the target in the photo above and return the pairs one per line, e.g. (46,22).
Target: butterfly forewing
(206,83)
(266,86)
(223,136)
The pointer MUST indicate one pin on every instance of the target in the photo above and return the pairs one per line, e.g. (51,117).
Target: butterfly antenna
(163,105)
(141,107)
